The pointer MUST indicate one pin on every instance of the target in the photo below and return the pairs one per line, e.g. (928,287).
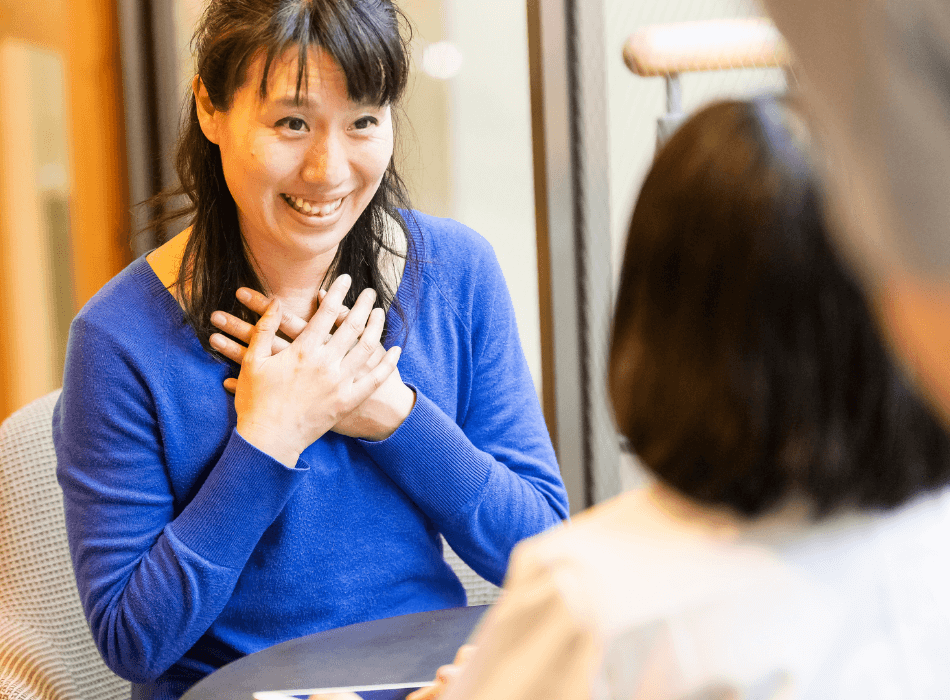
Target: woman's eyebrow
(293,101)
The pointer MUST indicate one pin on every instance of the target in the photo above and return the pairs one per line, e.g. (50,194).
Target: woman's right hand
(288,400)
(445,675)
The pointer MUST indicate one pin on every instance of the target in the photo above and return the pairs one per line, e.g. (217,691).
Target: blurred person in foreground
(876,76)
(242,462)
(794,543)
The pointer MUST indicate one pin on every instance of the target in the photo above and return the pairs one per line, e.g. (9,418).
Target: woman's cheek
(274,158)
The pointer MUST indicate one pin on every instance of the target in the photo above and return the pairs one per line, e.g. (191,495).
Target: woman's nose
(326,161)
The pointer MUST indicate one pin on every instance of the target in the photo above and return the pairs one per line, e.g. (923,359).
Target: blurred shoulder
(592,536)
(634,558)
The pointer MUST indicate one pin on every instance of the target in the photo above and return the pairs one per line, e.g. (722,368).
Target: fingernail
(243,294)
(218,318)
(216,341)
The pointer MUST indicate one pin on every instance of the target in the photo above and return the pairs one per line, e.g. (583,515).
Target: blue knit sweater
(192,548)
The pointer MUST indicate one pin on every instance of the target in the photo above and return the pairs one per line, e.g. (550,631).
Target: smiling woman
(257,467)
(301,164)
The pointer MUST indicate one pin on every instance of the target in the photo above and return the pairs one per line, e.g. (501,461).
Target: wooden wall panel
(34,21)
(99,207)
(25,335)
(85,34)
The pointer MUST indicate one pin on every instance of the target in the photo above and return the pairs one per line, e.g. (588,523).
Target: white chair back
(46,649)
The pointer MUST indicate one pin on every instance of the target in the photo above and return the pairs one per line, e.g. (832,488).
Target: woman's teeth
(312,208)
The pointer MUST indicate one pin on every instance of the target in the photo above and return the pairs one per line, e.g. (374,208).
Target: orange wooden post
(99,206)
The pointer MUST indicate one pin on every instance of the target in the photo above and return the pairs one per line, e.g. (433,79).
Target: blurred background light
(441,60)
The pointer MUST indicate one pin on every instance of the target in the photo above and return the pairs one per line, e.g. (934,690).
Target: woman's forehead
(287,79)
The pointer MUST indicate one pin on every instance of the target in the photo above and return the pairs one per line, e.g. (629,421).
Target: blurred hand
(445,675)
(376,418)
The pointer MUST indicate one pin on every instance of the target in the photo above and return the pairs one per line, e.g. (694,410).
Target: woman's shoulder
(455,260)
(631,560)
(444,239)
(134,303)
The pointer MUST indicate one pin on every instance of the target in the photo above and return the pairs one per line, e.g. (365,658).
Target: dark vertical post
(569,118)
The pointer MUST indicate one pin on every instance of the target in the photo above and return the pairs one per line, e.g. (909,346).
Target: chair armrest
(27,666)
(12,689)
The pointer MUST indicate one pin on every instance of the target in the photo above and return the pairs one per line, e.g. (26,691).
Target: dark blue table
(400,649)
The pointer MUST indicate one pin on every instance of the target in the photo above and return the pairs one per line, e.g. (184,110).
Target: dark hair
(369,41)
(745,365)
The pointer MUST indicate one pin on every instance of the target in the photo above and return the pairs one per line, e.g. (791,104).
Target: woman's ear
(207,114)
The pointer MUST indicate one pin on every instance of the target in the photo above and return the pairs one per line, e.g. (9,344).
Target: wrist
(404,402)
(268,442)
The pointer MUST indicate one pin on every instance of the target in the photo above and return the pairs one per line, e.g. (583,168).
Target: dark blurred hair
(745,366)
(369,41)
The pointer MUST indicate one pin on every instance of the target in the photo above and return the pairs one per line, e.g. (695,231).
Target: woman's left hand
(376,418)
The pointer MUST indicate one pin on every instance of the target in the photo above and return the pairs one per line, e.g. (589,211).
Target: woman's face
(301,173)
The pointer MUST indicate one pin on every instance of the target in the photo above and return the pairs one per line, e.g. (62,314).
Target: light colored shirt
(647,597)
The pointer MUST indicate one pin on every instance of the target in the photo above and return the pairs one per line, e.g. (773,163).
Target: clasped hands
(332,374)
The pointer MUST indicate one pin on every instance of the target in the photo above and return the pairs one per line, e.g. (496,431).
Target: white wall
(471,159)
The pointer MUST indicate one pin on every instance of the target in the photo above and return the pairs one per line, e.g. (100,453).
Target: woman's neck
(294,282)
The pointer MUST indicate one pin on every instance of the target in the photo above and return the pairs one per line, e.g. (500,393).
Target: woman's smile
(313,209)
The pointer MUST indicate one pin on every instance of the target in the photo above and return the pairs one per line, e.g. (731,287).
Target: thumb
(263,334)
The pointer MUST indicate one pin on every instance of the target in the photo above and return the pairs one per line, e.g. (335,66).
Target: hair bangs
(368,46)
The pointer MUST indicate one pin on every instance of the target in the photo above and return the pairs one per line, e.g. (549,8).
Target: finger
(259,348)
(345,337)
(365,387)
(339,319)
(230,384)
(290,323)
(242,330)
(374,360)
(366,347)
(465,652)
(231,349)
(321,323)
(426,693)
(448,673)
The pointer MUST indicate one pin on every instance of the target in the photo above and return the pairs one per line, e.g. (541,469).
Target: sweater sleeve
(491,479)
(151,580)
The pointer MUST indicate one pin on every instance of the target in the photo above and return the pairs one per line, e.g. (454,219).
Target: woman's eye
(365,122)
(293,123)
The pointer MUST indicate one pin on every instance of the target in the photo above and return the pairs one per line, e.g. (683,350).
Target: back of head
(745,365)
